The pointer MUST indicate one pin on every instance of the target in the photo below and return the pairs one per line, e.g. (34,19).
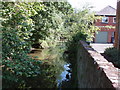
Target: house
(117,33)
(106,24)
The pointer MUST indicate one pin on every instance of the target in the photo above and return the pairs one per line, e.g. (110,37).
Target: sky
(97,4)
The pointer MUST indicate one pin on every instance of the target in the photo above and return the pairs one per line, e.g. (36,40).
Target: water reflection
(54,56)
(64,76)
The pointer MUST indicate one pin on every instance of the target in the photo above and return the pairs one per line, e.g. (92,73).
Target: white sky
(98,4)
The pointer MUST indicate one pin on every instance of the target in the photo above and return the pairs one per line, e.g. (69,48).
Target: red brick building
(108,18)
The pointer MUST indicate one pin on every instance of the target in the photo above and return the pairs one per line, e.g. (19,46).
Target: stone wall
(94,71)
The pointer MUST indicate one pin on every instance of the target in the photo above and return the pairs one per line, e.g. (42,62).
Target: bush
(114,54)
(17,65)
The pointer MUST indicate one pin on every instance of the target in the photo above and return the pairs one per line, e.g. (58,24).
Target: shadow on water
(54,56)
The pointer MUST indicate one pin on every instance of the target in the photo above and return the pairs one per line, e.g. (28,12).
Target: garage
(101,37)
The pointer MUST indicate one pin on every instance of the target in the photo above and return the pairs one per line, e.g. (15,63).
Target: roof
(107,11)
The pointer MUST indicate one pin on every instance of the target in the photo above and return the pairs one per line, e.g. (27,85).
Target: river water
(64,76)
(55,56)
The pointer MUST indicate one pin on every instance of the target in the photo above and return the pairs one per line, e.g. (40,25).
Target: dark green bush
(114,55)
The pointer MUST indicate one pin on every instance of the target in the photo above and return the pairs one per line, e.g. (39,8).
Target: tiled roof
(107,11)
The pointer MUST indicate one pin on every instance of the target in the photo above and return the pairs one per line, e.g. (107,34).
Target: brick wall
(110,22)
(94,71)
(109,30)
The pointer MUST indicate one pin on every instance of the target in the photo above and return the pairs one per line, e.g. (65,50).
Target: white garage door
(101,37)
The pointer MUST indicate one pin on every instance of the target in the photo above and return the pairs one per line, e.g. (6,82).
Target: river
(54,56)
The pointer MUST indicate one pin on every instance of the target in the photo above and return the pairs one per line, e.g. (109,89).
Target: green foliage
(24,24)
(21,24)
(114,55)
(80,26)
(81,21)
(49,23)
(17,66)
(72,47)
(14,16)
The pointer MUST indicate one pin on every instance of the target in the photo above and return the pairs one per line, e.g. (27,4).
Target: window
(104,19)
(114,19)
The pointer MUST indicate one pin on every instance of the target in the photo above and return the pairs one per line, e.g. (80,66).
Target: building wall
(109,30)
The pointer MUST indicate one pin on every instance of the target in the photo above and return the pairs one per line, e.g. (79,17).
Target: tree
(17,66)
(49,23)
(82,22)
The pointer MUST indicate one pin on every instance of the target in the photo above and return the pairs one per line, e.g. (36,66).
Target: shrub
(114,54)
(17,65)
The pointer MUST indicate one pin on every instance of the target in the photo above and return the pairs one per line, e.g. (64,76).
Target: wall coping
(108,68)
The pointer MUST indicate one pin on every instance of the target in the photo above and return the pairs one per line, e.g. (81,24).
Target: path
(100,47)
